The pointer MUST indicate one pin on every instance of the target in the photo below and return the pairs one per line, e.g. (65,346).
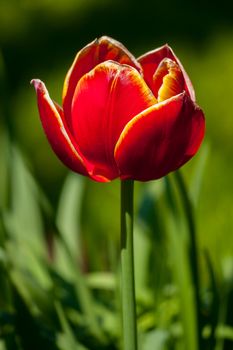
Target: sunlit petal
(105,100)
(160,139)
(98,51)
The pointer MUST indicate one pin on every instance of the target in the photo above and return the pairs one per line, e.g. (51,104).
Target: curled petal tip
(37,83)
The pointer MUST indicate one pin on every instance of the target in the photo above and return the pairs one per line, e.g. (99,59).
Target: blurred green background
(39,39)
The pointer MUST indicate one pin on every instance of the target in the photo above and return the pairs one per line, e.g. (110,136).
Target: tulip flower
(121,117)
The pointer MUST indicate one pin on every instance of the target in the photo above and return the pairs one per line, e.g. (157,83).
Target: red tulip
(122,117)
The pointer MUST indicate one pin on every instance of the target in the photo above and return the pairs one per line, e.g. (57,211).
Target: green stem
(127,267)
(193,249)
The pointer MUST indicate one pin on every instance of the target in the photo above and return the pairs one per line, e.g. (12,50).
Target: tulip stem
(127,267)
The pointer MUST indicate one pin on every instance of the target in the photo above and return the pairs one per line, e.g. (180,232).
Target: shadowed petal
(58,135)
(105,100)
(152,59)
(98,51)
(160,139)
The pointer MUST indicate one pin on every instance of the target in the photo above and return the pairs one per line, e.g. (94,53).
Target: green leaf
(180,261)
(25,246)
(101,280)
(66,340)
(197,176)
(215,306)
(142,250)
(31,332)
(24,221)
(157,339)
(68,213)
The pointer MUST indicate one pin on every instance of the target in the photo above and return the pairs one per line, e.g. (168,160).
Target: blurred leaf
(66,340)
(2,345)
(197,176)
(82,292)
(36,297)
(5,291)
(101,226)
(101,280)
(182,274)
(142,251)
(157,339)
(192,248)
(152,236)
(181,267)
(68,213)
(24,220)
(214,308)
(23,223)
(32,333)
(5,176)
(225,332)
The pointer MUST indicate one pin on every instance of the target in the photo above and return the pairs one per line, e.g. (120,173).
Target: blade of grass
(69,212)
(215,303)
(193,251)
(66,340)
(197,176)
(179,251)
(182,275)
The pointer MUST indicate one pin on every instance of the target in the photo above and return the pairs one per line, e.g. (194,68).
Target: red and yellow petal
(112,50)
(160,139)
(105,100)
(151,60)
(98,51)
(168,80)
(61,141)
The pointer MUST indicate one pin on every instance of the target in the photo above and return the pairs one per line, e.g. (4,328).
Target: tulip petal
(152,59)
(105,100)
(160,139)
(98,51)
(59,137)
(168,80)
